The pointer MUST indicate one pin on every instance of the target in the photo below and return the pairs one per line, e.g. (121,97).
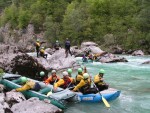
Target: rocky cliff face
(23,39)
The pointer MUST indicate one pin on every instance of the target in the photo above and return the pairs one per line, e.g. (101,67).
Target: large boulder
(14,97)
(58,60)
(138,53)
(4,107)
(117,50)
(28,65)
(91,46)
(7,53)
(34,105)
(110,58)
(76,51)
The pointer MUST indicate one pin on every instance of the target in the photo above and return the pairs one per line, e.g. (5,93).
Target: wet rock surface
(138,53)
(34,105)
(146,62)
(110,58)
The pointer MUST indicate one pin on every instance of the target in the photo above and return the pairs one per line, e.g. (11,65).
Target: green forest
(107,22)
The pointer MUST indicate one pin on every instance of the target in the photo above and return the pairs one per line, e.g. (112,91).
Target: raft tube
(30,93)
(109,94)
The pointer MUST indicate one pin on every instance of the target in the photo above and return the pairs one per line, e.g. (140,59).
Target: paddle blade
(105,102)
(49,93)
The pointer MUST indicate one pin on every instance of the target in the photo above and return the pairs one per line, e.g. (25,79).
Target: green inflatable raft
(55,98)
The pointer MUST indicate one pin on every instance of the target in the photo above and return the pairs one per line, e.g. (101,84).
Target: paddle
(103,99)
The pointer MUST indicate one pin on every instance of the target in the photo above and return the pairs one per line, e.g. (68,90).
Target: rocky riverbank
(15,102)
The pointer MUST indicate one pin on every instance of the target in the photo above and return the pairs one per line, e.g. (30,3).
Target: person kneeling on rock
(84,85)
(99,81)
(28,85)
(65,82)
(42,53)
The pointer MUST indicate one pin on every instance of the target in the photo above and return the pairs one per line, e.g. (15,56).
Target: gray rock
(4,107)
(138,53)
(117,50)
(92,46)
(146,62)
(110,58)
(76,51)
(34,105)
(2,87)
(59,61)
(14,97)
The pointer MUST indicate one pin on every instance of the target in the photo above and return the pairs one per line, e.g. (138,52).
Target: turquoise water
(132,78)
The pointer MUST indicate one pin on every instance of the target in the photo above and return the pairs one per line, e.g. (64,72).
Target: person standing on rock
(53,78)
(99,80)
(67,47)
(38,45)
(57,45)
(42,53)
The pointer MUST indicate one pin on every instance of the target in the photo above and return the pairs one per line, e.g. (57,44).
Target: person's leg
(66,51)
(37,51)
(69,51)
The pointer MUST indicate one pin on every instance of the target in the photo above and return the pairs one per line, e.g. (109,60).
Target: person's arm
(47,81)
(23,88)
(96,79)
(85,70)
(59,83)
(82,83)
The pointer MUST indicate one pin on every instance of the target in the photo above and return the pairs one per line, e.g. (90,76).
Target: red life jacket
(67,83)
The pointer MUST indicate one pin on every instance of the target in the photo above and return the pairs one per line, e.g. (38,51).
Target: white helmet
(86,75)
(53,71)
(65,73)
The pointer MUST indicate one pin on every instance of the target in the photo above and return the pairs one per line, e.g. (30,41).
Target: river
(132,78)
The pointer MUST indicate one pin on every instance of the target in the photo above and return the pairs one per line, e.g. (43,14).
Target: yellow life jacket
(42,51)
(38,44)
(97,80)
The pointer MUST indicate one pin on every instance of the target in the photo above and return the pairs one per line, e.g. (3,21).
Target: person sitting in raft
(28,85)
(52,79)
(99,80)
(41,76)
(64,82)
(42,53)
(85,85)
(69,72)
(79,77)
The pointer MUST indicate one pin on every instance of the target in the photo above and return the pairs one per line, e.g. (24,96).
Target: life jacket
(38,44)
(42,51)
(67,82)
(78,79)
(100,82)
(86,86)
(67,43)
(54,79)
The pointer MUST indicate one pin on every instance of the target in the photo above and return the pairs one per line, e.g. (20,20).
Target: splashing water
(132,78)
